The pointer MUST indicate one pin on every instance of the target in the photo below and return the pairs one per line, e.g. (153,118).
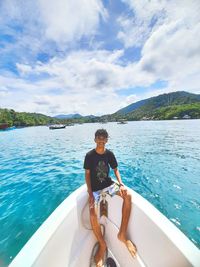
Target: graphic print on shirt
(102,171)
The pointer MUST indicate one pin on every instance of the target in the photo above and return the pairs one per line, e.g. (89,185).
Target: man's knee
(128,197)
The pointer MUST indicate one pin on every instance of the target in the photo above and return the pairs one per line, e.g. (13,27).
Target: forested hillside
(13,118)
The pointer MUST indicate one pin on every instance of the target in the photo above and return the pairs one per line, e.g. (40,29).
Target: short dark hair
(101,132)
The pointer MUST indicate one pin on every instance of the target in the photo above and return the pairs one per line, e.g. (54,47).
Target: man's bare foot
(130,246)
(99,256)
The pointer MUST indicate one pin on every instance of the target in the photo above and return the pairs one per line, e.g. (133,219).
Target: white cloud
(173,55)
(129,100)
(99,71)
(148,16)
(48,25)
(170,47)
(145,17)
(86,81)
(4,91)
(23,68)
(70,20)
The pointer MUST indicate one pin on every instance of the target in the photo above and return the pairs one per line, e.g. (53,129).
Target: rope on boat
(82,219)
(84,224)
(84,210)
(94,250)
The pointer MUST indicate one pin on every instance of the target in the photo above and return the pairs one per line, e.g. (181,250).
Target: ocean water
(39,168)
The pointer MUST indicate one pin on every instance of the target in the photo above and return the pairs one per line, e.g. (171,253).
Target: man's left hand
(123,190)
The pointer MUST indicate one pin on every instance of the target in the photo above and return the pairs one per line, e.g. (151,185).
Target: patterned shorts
(112,190)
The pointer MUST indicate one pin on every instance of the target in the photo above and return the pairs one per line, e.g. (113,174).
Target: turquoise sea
(39,168)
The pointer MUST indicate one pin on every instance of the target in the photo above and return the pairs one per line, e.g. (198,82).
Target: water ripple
(40,168)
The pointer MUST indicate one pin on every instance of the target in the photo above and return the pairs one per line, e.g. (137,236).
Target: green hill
(166,113)
(13,118)
(22,119)
(166,106)
(177,105)
(170,99)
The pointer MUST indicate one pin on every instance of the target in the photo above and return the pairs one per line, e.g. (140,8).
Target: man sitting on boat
(96,165)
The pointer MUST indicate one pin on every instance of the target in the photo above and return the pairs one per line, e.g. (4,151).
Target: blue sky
(95,57)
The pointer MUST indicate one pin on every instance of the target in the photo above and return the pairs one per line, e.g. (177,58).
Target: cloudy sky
(93,56)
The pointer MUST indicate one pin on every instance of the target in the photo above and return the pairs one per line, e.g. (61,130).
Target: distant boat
(186,116)
(122,121)
(57,126)
(3,126)
(145,118)
(65,239)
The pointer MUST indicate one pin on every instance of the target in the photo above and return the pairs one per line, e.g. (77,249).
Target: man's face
(101,140)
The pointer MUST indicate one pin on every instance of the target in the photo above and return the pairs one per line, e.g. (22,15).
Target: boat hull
(3,126)
(66,239)
(56,127)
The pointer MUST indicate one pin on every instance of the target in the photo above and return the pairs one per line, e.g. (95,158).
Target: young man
(96,165)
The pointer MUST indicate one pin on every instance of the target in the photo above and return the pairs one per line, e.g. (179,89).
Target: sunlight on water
(39,168)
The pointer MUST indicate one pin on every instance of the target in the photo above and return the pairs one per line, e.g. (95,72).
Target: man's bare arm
(87,179)
(117,174)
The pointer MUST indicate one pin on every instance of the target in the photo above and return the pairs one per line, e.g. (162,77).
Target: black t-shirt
(98,164)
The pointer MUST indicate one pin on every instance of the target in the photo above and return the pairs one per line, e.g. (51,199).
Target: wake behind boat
(65,239)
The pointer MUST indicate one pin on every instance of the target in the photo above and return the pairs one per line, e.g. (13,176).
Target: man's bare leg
(126,210)
(97,231)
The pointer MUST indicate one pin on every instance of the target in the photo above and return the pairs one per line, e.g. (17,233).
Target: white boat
(65,238)
(57,126)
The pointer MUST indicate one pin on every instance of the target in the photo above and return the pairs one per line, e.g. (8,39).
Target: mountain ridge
(175,105)
(68,116)
(166,99)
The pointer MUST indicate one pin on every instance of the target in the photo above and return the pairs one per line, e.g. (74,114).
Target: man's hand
(123,190)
